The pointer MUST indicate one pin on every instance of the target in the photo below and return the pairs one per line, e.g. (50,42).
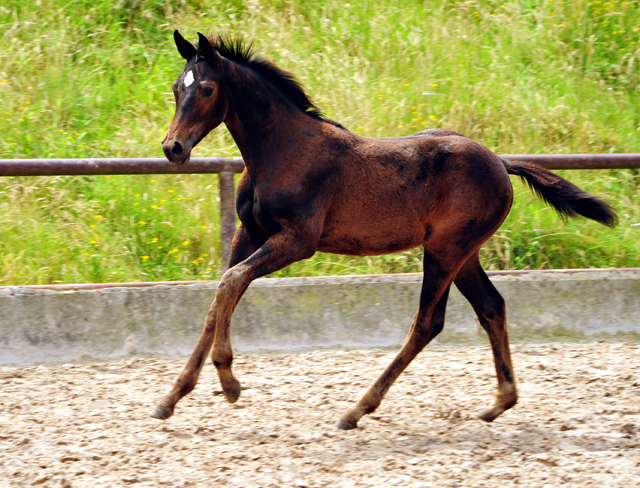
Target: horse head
(200,104)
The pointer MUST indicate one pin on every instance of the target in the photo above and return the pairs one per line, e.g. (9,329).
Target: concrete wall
(39,325)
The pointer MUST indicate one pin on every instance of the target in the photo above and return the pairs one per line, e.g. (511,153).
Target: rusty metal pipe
(580,161)
(225,167)
(116,166)
(132,166)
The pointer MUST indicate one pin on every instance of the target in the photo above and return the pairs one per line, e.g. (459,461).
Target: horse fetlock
(507,395)
(506,398)
(222,358)
(185,385)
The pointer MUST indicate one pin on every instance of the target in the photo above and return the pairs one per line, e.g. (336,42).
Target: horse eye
(208,91)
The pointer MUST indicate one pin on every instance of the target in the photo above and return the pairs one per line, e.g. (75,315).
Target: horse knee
(229,286)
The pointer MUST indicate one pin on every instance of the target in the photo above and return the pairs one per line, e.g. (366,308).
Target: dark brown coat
(311,185)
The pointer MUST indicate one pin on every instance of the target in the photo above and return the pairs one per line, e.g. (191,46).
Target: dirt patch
(577,423)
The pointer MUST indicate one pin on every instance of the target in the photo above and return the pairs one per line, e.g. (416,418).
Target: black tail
(565,197)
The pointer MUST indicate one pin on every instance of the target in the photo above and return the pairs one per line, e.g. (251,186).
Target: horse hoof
(232,390)
(489,414)
(161,412)
(343,424)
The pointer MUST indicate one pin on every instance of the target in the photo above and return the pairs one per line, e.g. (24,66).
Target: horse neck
(261,120)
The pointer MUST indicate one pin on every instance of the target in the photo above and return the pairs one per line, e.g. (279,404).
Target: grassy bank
(92,78)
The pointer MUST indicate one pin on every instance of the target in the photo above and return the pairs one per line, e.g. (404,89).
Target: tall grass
(83,78)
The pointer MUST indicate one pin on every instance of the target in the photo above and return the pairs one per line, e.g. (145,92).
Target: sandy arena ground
(577,423)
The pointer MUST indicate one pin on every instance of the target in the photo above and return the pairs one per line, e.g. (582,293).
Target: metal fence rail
(580,161)
(117,166)
(157,166)
(226,167)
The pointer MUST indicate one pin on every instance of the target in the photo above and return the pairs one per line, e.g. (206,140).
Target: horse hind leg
(427,324)
(489,306)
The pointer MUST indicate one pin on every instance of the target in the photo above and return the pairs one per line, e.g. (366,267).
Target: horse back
(392,193)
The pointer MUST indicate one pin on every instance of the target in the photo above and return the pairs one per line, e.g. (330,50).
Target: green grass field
(83,78)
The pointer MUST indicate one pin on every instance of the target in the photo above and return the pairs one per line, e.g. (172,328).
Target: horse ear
(205,48)
(185,48)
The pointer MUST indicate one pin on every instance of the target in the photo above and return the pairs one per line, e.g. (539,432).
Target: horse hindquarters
(477,198)
(442,262)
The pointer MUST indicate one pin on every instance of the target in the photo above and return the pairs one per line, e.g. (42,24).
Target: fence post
(227,216)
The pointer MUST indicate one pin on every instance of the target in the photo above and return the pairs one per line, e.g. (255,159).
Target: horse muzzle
(177,152)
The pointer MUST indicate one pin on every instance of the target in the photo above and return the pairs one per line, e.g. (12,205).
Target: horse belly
(366,238)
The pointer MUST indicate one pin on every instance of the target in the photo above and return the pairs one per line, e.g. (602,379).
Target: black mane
(237,51)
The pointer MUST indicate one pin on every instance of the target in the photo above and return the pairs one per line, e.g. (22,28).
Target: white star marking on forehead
(188,79)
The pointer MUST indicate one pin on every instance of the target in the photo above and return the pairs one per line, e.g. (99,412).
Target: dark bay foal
(311,185)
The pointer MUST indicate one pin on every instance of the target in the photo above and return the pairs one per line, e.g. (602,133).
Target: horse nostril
(176,149)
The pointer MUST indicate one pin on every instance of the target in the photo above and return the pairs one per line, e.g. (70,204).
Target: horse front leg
(241,248)
(276,253)
(279,251)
